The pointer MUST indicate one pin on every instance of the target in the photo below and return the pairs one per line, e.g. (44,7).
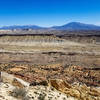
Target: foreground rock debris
(54,90)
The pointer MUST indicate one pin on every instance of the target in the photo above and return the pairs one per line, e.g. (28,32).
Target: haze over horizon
(49,13)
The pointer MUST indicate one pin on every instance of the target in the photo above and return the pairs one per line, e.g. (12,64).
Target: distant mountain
(77,26)
(69,26)
(22,27)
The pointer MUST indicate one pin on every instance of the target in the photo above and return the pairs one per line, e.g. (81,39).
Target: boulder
(11,79)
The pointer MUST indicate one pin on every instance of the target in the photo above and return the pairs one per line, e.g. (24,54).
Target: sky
(49,12)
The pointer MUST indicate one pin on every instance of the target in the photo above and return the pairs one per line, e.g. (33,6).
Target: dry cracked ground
(54,69)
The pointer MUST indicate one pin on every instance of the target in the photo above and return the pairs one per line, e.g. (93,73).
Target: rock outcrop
(81,92)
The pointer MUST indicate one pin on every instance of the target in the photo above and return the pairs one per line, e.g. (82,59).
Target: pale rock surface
(34,93)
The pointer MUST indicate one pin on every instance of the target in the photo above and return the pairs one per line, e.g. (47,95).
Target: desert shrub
(26,98)
(20,93)
(44,83)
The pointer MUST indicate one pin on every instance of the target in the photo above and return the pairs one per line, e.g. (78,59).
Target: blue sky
(49,12)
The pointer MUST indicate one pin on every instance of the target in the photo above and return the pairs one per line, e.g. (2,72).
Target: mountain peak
(77,26)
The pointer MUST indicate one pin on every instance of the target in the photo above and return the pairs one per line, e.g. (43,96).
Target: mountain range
(69,26)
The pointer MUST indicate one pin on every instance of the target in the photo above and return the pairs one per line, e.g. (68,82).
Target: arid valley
(50,65)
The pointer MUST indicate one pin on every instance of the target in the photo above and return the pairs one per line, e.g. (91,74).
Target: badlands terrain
(49,65)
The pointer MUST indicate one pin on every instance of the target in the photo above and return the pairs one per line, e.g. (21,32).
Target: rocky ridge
(59,87)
